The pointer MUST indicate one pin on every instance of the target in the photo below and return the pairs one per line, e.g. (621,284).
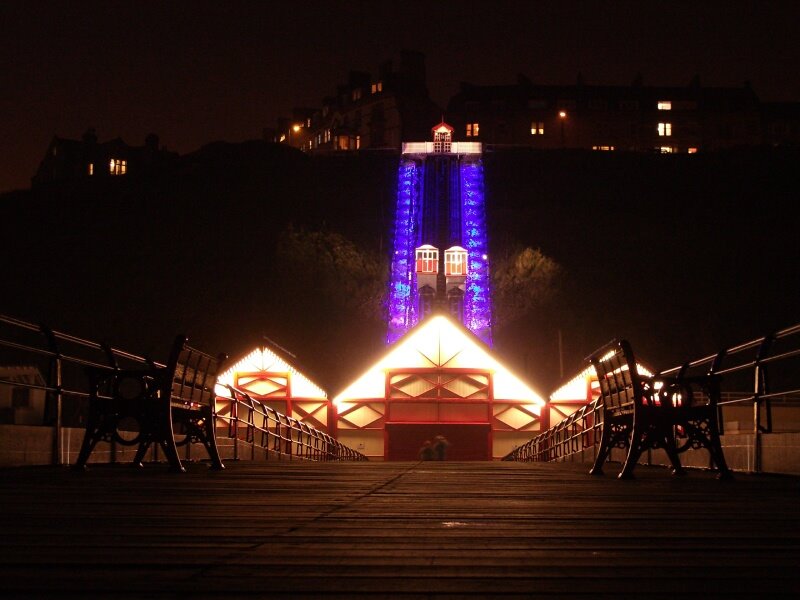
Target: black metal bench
(640,413)
(158,403)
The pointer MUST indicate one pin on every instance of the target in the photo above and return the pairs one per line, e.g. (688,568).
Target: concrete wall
(780,453)
(30,445)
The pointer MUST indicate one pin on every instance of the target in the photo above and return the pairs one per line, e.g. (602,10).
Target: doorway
(467,442)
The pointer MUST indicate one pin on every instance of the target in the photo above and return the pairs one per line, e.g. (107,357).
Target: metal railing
(759,373)
(61,360)
(253,425)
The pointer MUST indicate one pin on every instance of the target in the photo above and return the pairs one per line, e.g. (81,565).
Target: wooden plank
(299,529)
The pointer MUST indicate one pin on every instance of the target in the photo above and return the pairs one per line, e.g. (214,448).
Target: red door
(467,442)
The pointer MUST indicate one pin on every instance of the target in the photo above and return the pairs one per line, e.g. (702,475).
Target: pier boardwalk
(386,530)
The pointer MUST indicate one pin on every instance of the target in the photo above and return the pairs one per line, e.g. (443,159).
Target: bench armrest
(682,391)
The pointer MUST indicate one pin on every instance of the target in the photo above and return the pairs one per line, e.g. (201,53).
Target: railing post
(55,394)
(112,362)
(761,387)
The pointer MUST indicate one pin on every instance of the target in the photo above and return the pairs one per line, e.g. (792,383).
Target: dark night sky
(196,72)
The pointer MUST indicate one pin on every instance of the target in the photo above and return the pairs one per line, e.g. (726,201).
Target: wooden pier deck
(386,530)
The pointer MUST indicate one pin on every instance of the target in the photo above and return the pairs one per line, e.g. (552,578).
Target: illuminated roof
(442,128)
(264,360)
(438,342)
(576,388)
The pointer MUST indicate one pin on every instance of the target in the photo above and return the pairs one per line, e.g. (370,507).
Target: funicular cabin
(439,379)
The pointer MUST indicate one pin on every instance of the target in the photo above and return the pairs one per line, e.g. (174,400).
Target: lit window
(427,260)
(664,105)
(665,129)
(356,94)
(283,137)
(327,135)
(667,150)
(692,150)
(308,122)
(604,148)
(377,87)
(455,261)
(537,128)
(118,167)
(91,169)
(358,142)
(473,129)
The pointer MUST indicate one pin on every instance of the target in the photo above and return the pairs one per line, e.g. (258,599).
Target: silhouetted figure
(440,445)
(426,452)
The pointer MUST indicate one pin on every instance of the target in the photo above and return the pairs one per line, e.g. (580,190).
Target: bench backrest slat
(192,374)
(618,378)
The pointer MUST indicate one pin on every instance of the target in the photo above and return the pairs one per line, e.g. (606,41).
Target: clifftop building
(86,159)
(634,118)
(368,112)
(377,112)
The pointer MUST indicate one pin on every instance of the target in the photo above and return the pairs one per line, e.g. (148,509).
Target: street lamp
(562,116)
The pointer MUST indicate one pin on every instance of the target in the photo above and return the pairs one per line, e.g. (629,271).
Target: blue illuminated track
(402,298)
(477,299)
(402,294)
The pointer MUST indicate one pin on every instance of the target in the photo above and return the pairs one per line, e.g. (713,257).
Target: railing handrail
(280,434)
(51,349)
(549,444)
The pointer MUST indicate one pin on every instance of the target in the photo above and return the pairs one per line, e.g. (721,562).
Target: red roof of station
(441,126)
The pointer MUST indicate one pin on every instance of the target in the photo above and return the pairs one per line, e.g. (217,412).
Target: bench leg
(614,435)
(634,452)
(210,443)
(171,452)
(90,440)
(704,432)
(99,427)
(641,439)
(672,452)
(201,429)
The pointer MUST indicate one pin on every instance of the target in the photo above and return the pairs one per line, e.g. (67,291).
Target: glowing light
(577,388)
(117,166)
(439,343)
(562,114)
(264,360)
(296,128)
(664,105)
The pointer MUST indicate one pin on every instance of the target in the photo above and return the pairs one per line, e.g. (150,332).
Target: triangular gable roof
(264,360)
(442,127)
(439,342)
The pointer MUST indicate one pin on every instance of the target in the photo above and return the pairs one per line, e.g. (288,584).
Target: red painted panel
(467,442)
